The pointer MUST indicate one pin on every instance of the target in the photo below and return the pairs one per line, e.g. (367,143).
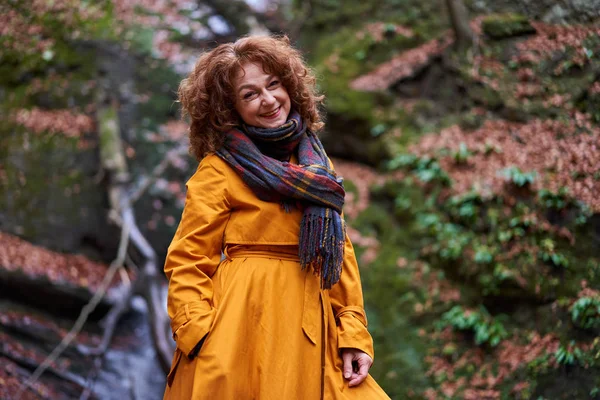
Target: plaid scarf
(257,155)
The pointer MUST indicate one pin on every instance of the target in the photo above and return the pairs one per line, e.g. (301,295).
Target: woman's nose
(268,98)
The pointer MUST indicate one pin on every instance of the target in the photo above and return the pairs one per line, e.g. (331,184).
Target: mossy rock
(350,138)
(501,26)
(49,195)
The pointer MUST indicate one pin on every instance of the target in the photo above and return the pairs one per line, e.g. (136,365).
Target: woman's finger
(363,370)
(347,358)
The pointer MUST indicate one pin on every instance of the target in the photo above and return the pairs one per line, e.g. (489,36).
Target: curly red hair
(207,94)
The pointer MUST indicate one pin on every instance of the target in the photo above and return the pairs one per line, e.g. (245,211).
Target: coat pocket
(174,364)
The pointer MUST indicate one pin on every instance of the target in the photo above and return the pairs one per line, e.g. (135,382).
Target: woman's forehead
(251,74)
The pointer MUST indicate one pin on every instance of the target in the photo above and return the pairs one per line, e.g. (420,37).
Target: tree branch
(83,316)
(147,282)
(158,171)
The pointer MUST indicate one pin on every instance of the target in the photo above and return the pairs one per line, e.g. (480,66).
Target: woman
(281,315)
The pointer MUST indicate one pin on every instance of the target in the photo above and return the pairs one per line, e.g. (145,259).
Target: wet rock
(28,336)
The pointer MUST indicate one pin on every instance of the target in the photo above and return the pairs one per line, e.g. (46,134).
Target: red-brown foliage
(362,177)
(437,289)
(551,39)
(561,154)
(64,122)
(34,261)
(587,291)
(25,32)
(401,66)
(491,371)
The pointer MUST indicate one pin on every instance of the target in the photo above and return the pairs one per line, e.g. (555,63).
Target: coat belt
(311,307)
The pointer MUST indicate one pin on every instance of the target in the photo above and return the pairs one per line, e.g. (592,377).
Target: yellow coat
(270,331)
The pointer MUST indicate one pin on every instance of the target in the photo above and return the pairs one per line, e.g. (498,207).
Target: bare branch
(30,365)
(158,171)
(110,320)
(83,316)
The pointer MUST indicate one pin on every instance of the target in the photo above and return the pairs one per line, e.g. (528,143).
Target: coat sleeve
(348,306)
(194,254)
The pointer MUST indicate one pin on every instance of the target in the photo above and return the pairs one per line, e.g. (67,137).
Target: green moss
(494,252)
(502,26)
(349,50)
(44,182)
(326,16)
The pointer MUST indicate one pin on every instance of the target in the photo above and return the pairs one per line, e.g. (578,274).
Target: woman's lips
(273,115)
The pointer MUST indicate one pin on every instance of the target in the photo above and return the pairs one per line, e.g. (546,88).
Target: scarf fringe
(286,206)
(322,240)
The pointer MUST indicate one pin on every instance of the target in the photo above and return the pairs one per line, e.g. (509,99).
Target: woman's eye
(248,95)
(274,83)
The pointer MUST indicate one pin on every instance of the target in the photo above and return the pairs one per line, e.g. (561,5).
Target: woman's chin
(272,124)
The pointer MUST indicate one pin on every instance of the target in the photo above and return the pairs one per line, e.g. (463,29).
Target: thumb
(347,359)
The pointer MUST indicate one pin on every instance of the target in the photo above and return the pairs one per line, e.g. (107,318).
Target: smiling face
(260,98)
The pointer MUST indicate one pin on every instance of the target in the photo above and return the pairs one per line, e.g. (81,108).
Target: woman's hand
(363,361)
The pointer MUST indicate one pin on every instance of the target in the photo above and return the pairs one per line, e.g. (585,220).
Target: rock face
(55,62)
(42,294)
(52,193)
(130,368)
(349,137)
